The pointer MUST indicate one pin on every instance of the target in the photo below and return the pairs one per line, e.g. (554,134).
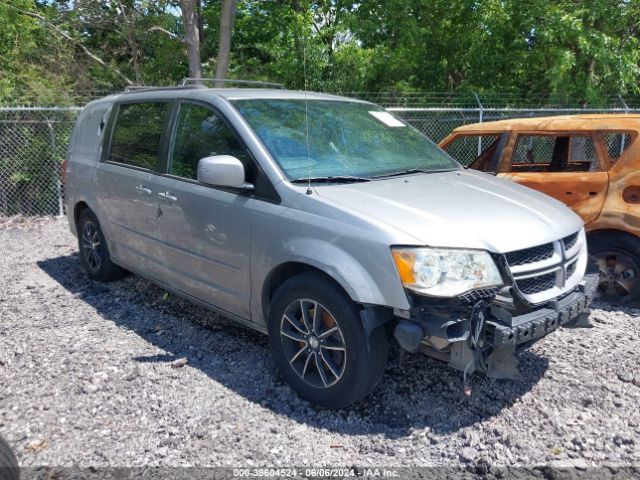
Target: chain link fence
(33,141)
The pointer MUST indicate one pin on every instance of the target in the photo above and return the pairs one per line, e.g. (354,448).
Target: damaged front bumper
(476,332)
(522,329)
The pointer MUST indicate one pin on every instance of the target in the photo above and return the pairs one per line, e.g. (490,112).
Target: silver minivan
(325,222)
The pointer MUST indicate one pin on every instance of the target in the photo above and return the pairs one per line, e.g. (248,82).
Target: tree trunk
(200,21)
(227,16)
(191,37)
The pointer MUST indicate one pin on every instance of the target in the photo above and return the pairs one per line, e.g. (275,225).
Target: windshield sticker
(388,119)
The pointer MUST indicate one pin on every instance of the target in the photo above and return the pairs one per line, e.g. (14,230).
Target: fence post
(4,181)
(481,116)
(626,110)
(56,166)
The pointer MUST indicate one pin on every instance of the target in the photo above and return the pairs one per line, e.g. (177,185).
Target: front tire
(618,259)
(94,254)
(318,342)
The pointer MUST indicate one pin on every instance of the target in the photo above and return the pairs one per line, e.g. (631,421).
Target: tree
(192,36)
(567,50)
(227,17)
(34,64)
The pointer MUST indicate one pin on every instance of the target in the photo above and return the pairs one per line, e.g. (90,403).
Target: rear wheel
(319,345)
(94,254)
(618,259)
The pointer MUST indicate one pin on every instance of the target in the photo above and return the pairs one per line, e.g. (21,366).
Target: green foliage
(584,49)
(31,62)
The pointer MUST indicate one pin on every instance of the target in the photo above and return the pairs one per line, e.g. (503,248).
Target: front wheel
(618,258)
(319,345)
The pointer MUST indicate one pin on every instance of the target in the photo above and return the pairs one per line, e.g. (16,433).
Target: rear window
(137,134)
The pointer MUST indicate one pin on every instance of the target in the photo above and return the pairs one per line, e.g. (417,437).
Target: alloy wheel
(618,277)
(313,343)
(91,246)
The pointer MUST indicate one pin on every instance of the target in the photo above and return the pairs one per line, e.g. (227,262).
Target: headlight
(445,273)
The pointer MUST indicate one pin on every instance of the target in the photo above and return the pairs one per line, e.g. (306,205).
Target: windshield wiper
(332,179)
(414,170)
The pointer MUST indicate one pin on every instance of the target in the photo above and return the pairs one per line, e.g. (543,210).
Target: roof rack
(190,81)
(138,88)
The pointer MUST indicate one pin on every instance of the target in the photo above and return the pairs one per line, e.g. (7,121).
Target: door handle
(143,190)
(167,196)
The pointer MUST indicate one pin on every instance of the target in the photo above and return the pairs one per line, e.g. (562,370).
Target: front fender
(355,254)
(338,264)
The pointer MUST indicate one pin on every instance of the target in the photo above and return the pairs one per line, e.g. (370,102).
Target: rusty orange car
(589,162)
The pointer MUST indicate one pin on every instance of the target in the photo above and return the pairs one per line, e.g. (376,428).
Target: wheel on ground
(618,258)
(8,463)
(94,254)
(318,342)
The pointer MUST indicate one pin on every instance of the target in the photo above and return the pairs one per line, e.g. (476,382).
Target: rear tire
(618,259)
(8,464)
(318,342)
(94,253)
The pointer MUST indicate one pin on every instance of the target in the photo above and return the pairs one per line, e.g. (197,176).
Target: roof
(605,121)
(230,93)
(201,93)
(252,93)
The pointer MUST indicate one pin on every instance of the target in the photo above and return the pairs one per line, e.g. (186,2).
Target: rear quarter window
(86,139)
(137,134)
(617,144)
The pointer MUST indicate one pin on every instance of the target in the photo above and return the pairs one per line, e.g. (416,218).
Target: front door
(204,230)
(567,167)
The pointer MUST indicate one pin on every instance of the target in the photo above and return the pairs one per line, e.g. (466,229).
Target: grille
(543,284)
(530,255)
(570,241)
(529,286)
(571,269)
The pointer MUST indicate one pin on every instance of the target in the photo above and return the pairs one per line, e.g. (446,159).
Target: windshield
(346,139)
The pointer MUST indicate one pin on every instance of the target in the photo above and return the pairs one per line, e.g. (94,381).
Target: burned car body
(589,162)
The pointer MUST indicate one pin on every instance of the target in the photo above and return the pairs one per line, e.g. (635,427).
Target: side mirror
(222,171)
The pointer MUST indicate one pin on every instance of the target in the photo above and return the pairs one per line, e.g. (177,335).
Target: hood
(462,208)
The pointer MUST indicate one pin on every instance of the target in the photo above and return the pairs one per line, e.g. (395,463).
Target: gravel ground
(124,374)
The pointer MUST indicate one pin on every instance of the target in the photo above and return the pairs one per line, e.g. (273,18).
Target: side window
(137,134)
(617,143)
(549,153)
(533,153)
(466,149)
(583,156)
(200,133)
